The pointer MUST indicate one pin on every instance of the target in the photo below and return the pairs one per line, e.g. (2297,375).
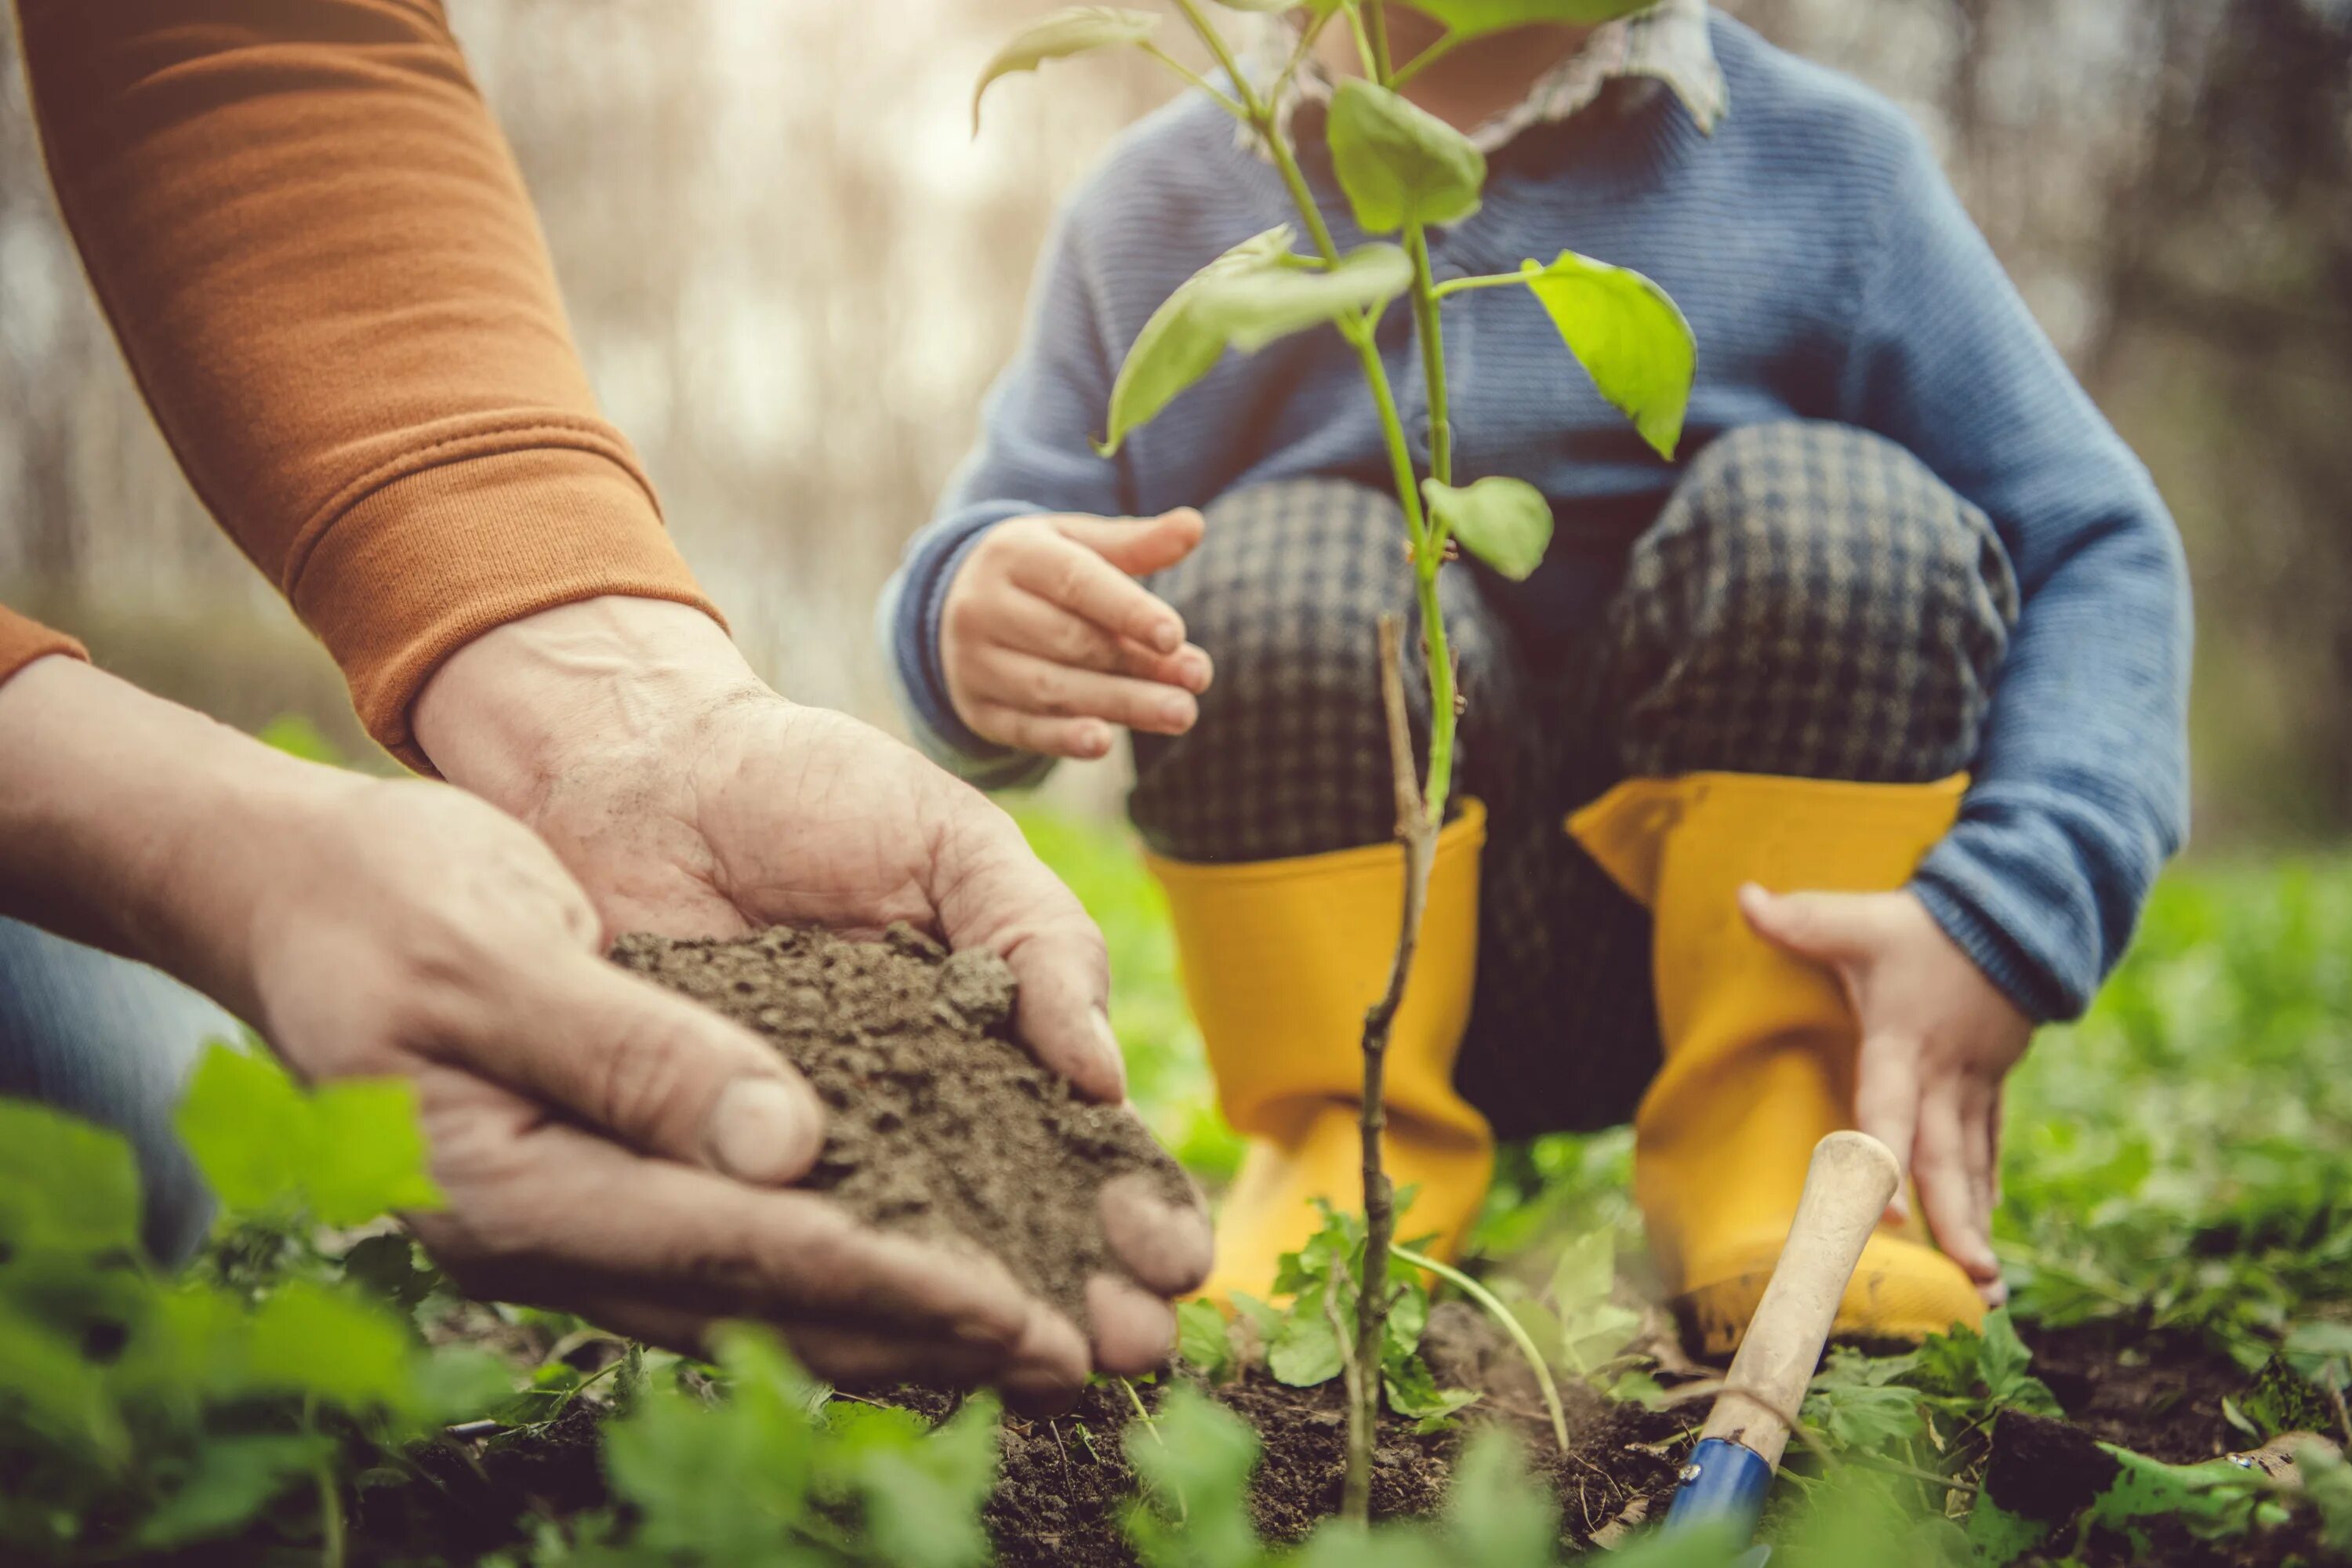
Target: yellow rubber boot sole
(1760,1047)
(1280,960)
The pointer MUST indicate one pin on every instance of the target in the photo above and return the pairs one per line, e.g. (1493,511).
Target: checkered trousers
(1812,601)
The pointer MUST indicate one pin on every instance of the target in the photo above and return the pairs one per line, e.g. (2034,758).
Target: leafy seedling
(1403,172)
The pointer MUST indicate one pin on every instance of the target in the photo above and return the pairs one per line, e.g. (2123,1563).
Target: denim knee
(112,1042)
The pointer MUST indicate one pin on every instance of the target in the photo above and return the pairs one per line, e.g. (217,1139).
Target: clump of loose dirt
(939,1125)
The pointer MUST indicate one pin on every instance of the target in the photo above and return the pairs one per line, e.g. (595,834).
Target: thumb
(1138,546)
(1827,928)
(656,1071)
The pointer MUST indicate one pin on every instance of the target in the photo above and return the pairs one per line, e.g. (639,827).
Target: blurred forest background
(792,271)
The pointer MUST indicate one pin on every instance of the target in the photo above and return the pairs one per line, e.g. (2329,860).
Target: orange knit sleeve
(324,271)
(23,641)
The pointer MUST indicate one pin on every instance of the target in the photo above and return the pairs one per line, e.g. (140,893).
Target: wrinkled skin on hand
(690,799)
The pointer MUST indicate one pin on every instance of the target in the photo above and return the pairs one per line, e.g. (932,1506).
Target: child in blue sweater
(1811,769)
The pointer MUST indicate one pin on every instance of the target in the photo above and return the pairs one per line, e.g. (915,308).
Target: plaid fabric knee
(1812,602)
(1290,754)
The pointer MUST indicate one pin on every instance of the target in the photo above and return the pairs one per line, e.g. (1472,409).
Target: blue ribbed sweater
(1829,272)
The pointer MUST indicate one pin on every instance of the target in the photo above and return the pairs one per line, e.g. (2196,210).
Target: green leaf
(1253,294)
(1505,522)
(1306,1352)
(1398,163)
(368,1157)
(922,1492)
(65,1184)
(1474,19)
(386,1266)
(1629,336)
(1072,31)
(1263,1316)
(1203,1339)
(233,1480)
(718,1483)
(246,1126)
(1196,1450)
(1414,1393)
(1862,1417)
(308,1340)
(1587,1270)
(1497,1516)
(348,1153)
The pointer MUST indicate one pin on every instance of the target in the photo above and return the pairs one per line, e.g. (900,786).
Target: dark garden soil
(1066,1483)
(939,1124)
(2159,1394)
(943,1127)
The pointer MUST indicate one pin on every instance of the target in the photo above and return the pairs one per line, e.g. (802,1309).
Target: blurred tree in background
(792,272)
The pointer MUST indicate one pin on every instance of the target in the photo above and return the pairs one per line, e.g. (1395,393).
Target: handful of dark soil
(940,1124)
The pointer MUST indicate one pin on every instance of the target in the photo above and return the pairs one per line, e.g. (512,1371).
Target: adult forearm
(322,266)
(138,825)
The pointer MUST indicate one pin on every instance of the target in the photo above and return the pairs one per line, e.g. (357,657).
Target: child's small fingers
(1031,625)
(1945,1191)
(1042,686)
(1080,740)
(1138,546)
(1083,582)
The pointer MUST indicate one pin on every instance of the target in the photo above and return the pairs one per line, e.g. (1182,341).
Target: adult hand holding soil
(1937,1040)
(603,1146)
(691,800)
(1046,639)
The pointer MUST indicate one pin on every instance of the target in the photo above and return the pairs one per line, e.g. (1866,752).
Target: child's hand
(1048,640)
(1937,1038)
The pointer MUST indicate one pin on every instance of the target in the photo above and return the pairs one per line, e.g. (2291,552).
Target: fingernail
(1177,712)
(764,1131)
(1108,1038)
(1167,637)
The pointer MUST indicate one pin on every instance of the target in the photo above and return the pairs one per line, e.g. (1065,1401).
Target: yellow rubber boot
(1280,960)
(1759,1046)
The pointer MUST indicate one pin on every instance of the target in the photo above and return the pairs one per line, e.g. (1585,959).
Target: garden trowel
(1847,1187)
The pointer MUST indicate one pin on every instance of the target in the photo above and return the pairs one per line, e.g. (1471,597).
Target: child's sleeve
(1036,453)
(2080,790)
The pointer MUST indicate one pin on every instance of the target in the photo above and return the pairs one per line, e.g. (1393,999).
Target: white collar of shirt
(1668,44)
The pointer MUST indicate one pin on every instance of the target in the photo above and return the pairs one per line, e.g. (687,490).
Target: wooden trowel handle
(1847,1188)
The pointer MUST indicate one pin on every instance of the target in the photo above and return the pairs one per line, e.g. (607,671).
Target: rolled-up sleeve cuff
(416,567)
(22,641)
(2042,989)
(909,621)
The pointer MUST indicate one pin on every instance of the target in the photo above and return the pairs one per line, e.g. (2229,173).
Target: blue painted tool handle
(1723,1488)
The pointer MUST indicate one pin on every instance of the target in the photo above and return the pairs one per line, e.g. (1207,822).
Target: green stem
(1193,76)
(1183,1508)
(1432,332)
(1224,57)
(1501,1314)
(1366,52)
(1454,286)
(1377,61)
(331,1516)
(1445,45)
(1429,552)
(1442,700)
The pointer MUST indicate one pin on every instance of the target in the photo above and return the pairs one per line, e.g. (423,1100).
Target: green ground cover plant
(313,1391)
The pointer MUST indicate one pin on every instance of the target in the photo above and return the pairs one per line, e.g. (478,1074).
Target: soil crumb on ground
(939,1124)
